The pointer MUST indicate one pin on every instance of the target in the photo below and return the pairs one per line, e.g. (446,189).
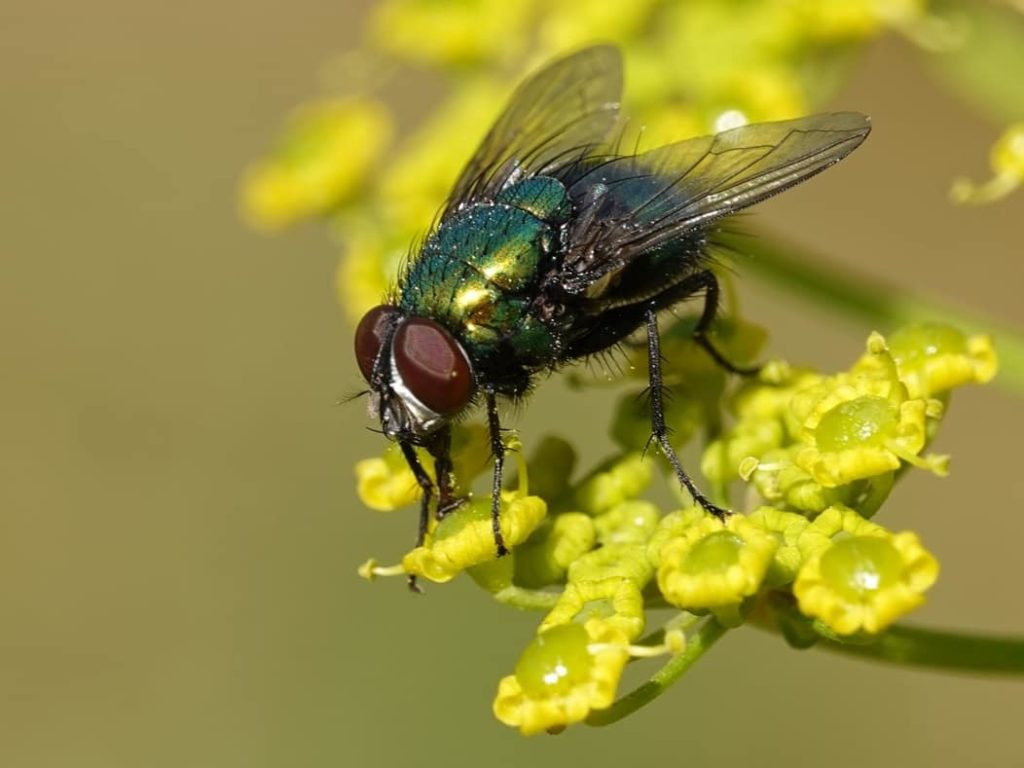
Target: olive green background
(178,529)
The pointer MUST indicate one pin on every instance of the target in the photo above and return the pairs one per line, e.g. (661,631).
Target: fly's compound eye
(433,366)
(370,335)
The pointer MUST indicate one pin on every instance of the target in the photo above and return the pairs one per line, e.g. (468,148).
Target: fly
(551,248)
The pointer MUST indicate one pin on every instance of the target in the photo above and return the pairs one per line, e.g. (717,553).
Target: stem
(873,301)
(945,651)
(900,644)
(663,679)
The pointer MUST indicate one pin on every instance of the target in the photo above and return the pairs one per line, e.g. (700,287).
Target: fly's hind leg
(709,282)
(658,428)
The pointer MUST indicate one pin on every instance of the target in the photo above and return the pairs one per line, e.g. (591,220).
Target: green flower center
(864,422)
(555,662)
(454,522)
(860,566)
(715,553)
(913,345)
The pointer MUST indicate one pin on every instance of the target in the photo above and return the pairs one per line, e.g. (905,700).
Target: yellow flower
(466,32)
(768,92)
(864,582)
(715,565)
(326,154)
(616,601)
(933,358)
(570,24)
(565,673)
(464,538)
(843,20)
(550,551)
(867,436)
(1007,161)
(861,424)
(386,483)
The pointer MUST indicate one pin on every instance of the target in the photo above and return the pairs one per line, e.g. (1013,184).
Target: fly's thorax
(478,273)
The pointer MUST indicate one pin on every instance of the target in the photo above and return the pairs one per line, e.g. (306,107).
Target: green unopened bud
(722,460)
(786,528)
(546,556)
(626,478)
(551,467)
(631,522)
(622,561)
(631,424)
(617,601)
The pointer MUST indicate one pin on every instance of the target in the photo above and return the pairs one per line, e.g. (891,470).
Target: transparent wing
(556,116)
(628,206)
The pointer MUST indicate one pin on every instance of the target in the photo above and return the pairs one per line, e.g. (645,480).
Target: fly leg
(498,450)
(425,484)
(709,282)
(658,428)
(440,449)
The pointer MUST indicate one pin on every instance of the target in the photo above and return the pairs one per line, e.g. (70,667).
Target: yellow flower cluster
(807,441)
(819,453)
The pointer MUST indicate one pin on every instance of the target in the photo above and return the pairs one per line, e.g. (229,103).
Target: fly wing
(629,206)
(556,116)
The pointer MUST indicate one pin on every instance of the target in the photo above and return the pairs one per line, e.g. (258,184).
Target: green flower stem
(662,680)
(873,301)
(527,599)
(945,651)
(914,646)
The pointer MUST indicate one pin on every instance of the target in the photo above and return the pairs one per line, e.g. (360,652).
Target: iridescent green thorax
(478,273)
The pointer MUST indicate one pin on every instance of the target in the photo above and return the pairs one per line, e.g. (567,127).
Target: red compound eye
(432,365)
(370,336)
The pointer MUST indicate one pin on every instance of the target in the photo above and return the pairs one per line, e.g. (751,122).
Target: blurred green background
(179,532)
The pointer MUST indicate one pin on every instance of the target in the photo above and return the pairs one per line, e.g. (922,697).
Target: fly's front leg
(658,428)
(427,487)
(441,449)
(498,450)
(709,282)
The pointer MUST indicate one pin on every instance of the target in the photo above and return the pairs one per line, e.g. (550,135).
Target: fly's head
(420,376)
